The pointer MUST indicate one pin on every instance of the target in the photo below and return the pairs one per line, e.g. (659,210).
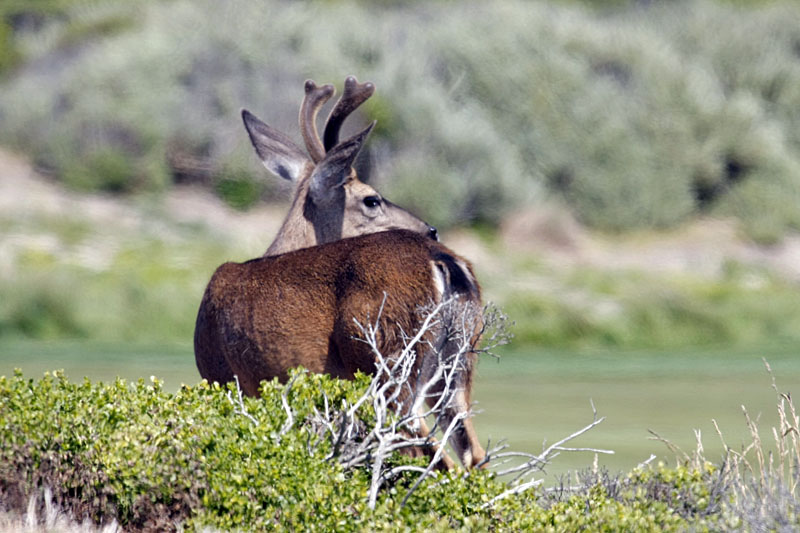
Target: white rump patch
(439,280)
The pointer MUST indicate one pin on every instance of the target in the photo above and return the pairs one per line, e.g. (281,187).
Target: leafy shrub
(151,459)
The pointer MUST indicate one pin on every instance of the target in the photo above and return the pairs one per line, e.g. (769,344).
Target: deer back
(270,314)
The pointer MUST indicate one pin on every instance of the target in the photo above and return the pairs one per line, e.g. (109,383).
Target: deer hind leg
(463,438)
(359,356)
(418,429)
(445,461)
(452,358)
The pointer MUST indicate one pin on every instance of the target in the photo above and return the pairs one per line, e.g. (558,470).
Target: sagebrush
(641,117)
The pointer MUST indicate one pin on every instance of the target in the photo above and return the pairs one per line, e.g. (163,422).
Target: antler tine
(353,96)
(312,102)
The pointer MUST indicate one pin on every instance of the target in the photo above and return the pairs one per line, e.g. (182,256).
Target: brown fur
(260,318)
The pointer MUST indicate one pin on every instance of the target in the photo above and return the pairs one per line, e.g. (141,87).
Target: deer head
(330,202)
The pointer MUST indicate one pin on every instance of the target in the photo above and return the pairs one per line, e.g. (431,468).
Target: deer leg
(445,462)
(463,438)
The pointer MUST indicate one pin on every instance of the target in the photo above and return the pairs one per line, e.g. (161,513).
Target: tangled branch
(419,382)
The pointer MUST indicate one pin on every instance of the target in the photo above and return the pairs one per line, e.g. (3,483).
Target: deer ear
(332,172)
(278,153)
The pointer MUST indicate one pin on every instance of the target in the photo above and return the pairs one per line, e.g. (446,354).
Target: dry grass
(47,517)
(766,477)
(763,478)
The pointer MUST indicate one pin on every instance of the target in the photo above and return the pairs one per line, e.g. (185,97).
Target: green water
(542,396)
(532,396)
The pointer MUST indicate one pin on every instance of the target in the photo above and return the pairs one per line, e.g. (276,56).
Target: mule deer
(330,202)
(260,318)
(296,305)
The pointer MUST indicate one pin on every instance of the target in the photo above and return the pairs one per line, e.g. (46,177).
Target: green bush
(151,459)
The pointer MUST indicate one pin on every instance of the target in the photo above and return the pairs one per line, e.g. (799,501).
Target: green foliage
(40,308)
(145,457)
(108,170)
(151,459)
(18,18)
(9,55)
(744,306)
(638,116)
(625,119)
(239,189)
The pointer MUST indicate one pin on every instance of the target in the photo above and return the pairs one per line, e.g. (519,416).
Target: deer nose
(432,233)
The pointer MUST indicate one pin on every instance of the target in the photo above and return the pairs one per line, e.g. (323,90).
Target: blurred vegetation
(68,278)
(637,113)
(744,307)
(632,113)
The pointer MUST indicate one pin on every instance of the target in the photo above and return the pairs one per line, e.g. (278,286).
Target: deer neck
(308,225)
(297,230)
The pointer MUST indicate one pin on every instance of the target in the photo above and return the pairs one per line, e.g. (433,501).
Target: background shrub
(639,117)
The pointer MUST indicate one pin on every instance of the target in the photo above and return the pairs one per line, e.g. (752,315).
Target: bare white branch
(425,380)
(647,461)
(518,489)
(287,425)
(238,404)
(536,463)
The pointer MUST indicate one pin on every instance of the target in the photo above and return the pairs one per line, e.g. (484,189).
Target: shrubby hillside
(629,114)
(641,116)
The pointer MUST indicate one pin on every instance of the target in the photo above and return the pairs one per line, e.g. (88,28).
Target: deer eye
(372,201)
